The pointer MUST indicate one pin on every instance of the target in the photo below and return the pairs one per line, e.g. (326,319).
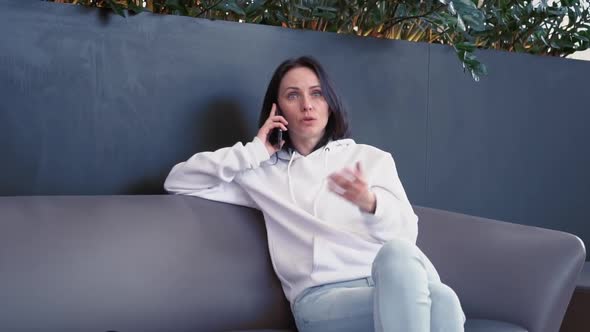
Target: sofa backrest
(135,263)
(181,263)
(96,104)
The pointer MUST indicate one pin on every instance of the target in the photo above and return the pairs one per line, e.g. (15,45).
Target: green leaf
(470,14)
(328,9)
(194,11)
(557,11)
(254,6)
(481,69)
(465,46)
(519,48)
(117,8)
(178,6)
(302,7)
(297,15)
(402,10)
(544,41)
(256,19)
(281,17)
(131,5)
(324,15)
(232,6)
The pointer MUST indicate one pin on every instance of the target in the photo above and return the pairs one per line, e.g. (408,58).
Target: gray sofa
(178,263)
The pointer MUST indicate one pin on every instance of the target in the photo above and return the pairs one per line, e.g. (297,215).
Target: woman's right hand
(273,121)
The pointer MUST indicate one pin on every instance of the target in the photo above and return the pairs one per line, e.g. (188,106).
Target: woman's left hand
(351,185)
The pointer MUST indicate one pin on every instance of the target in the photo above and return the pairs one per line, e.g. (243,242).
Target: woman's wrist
(370,204)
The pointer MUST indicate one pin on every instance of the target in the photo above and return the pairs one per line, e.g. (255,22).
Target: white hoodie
(314,236)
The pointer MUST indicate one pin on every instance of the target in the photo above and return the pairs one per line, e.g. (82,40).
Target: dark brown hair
(337,126)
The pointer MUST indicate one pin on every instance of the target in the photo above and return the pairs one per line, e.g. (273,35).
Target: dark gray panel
(388,104)
(513,146)
(110,104)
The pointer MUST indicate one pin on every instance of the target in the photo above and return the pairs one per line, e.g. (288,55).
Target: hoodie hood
(286,155)
(323,152)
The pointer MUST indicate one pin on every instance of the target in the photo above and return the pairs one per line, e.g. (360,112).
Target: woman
(341,232)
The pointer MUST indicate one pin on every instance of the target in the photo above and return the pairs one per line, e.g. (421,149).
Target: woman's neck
(305,147)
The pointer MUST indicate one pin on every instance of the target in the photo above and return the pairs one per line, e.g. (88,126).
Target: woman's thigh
(346,306)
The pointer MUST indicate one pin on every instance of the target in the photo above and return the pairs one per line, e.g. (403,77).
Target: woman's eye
(316,93)
(292,96)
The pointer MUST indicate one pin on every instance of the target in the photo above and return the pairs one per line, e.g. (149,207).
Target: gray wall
(93,103)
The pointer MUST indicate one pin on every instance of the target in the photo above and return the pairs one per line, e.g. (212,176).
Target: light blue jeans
(403,294)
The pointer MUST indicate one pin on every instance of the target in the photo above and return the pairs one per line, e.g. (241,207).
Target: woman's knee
(396,251)
(444,297)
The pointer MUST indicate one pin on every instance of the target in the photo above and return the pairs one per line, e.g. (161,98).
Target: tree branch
(208,8)
(394,21)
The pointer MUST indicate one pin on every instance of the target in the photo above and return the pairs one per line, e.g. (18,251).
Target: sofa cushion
(472,325)
(486,325)
(264,331)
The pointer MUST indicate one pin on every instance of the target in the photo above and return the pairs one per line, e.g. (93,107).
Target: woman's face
(302,103)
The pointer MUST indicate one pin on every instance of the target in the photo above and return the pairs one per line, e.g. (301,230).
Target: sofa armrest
(504,271)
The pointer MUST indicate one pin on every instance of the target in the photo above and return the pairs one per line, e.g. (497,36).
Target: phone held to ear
(276,135)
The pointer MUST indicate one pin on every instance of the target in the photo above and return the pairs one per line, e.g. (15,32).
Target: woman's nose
(306,103)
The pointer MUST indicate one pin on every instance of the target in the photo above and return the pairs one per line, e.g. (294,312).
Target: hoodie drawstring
(289,179)
(315,201)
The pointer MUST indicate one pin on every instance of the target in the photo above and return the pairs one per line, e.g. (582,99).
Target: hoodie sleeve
(394,216)
(210,175)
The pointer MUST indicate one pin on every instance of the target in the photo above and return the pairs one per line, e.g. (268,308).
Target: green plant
(557,29)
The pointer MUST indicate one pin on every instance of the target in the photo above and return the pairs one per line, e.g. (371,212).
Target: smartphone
(276,135)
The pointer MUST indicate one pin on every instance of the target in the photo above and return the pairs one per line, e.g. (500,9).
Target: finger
(351,182)
(272,122)
(336,188)
(349,195)
(273,110)
(343,182)
(279,118)
(279,125)
(351,175)
(358,169)
(338,179)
